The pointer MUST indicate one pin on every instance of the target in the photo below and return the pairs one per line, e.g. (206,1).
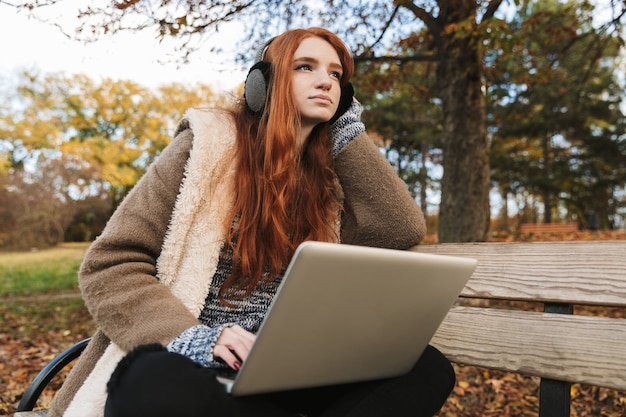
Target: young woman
(187,266)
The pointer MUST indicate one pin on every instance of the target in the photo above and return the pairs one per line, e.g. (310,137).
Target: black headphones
(258,79)
(257,82)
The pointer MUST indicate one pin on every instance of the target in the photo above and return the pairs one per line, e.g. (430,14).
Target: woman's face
(316,81)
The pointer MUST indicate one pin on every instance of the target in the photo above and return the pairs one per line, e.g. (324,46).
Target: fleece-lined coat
(145,279)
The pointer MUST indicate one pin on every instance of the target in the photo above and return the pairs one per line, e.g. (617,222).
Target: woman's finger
(233,345)
(228,356)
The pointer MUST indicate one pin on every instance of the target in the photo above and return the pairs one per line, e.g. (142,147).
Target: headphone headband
(261,53)
(255,87)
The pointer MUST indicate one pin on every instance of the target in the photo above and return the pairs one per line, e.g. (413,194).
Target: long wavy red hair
(283,195)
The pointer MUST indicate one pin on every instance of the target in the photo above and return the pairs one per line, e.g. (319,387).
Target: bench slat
(577,349)
(576,272)
(40,413)
(548,227)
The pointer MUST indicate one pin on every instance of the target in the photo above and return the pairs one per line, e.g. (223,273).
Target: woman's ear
(255,87)
(347,93)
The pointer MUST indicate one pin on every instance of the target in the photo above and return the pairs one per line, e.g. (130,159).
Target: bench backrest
(573,348)
(548,227)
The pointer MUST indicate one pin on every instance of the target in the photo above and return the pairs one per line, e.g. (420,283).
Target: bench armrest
(34,390)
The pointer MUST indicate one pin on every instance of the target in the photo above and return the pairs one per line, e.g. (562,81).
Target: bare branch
(124,4)
(384,29)
(492,7)
(31,5)
(419,12)
(398,59)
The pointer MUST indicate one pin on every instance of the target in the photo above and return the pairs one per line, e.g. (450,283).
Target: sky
(27,44)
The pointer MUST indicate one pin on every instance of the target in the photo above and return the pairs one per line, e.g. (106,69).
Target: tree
(404,114)
(455,28)
(114,128)
(70,139)
(452,34)
(35,211)
(557,113)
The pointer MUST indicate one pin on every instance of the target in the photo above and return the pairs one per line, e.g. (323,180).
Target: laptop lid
(348,313)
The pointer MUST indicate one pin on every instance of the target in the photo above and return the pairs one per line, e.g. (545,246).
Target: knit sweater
(148,277)
(197,342)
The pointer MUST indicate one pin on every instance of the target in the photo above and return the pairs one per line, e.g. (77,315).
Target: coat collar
(199,222)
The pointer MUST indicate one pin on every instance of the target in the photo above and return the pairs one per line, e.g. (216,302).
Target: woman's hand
(233,346)
(346,127)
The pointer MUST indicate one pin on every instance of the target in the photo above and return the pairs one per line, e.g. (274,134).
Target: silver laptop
(350,313)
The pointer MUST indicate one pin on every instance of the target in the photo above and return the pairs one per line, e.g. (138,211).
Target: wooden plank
(40,413)
(576,349)
(581,272)
(548,227)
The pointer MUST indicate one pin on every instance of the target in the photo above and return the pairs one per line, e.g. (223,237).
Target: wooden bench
(556,345)
(560,347)
(548,227)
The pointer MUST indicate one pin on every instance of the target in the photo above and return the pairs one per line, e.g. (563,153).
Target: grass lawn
(43,271)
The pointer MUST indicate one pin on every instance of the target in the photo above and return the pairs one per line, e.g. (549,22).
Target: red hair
(283,195)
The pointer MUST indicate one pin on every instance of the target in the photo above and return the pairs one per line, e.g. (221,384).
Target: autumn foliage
(34,331)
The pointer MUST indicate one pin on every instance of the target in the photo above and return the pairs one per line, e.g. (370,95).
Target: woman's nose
(325,82)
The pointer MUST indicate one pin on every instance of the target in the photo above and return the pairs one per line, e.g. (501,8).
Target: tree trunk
(504,211)
(423,179)
(464,211)
(547,172)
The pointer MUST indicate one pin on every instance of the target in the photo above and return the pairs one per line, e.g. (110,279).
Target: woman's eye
(336,74)
(303,67)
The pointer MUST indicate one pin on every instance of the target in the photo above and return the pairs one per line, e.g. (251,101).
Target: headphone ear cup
(256,85)
(347,93)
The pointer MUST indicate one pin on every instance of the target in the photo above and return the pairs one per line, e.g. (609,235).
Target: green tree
(405,119)
(556,109)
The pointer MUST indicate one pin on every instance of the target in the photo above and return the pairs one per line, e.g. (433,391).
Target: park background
(495,113)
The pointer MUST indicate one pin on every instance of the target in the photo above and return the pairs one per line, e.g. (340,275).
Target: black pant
(153,382)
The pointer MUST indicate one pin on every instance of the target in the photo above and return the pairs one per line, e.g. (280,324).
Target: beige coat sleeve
(378,208)
(118,274)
